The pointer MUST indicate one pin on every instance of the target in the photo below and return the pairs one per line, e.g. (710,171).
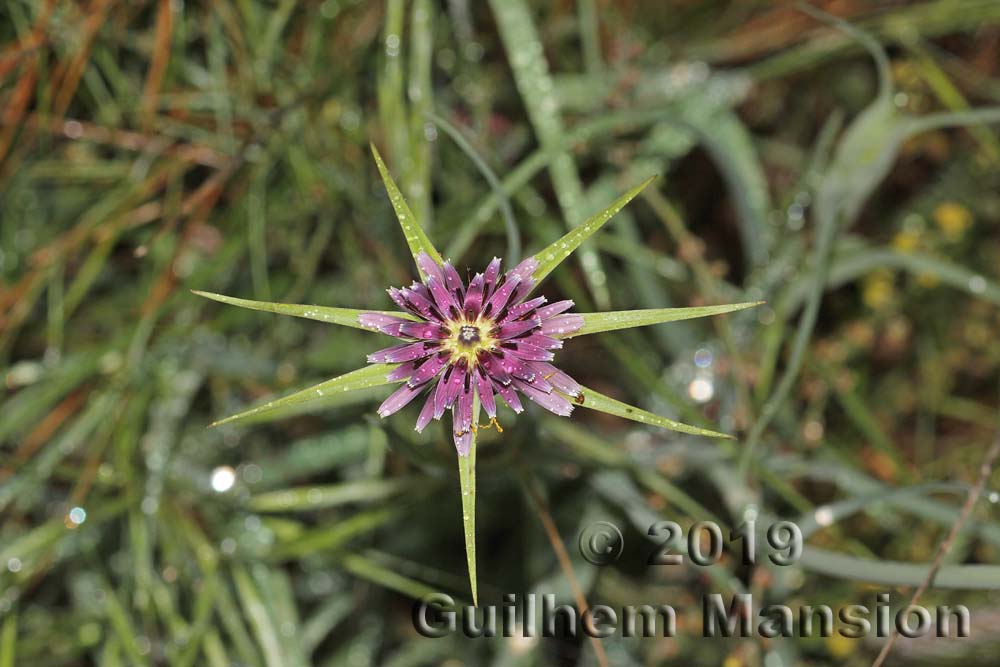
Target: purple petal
(530,352)
(463,443)
(423,330)
(444,299)
(500,298)
(522,309)
(426,413)
(419,301)
(523,288)
(453,281)
(397,400)
(509,397)
(429,266)
(525,268)
(402,372)
(562,325)
(490,277)
(515,367)
(551,401)
(558,378)
(404,352)
(397,297)
(456,384)
(485,390)
(428,369)
(491,363)
(439,392)
(515,329)
(474,297)
(544,342)
(462,412)
(554,309)
(381,322)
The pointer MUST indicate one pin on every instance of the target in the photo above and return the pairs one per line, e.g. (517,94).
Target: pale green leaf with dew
(415,235)
(467,479)
(588,398)
(552,256)
(373,375)
(347,317)
(320,497)
(626,319)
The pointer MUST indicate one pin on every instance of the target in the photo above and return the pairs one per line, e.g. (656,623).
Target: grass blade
(467,479)
(552,256)
(317,497)
(626,319)
(534,82)
(415,235)
(347,317)
(594,400)
(373,375)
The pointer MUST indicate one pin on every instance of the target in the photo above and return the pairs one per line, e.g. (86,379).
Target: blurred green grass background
(149,148)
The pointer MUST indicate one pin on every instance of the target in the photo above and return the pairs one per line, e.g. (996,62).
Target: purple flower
(475,340)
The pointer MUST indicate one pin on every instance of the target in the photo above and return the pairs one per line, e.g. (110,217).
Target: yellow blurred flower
(906,241)
(953,219)
(840,646)
(877,289)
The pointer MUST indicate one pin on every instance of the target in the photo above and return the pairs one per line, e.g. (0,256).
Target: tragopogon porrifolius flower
(467,343)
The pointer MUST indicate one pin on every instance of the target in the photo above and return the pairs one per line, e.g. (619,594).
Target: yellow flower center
(468,337)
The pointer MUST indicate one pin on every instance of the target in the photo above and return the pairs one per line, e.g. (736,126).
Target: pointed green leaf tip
(552,256)
(588,398)
(373,375)
(626,319)
(347,317)
(415,235)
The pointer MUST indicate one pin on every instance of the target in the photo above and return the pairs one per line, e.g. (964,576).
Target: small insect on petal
(463,442)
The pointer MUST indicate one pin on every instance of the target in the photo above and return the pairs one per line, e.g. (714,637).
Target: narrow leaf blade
(415,235)
(373,375)
(467,478)
(347,317)
(309,498)
(552,256)
(594,400)
(626,319)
